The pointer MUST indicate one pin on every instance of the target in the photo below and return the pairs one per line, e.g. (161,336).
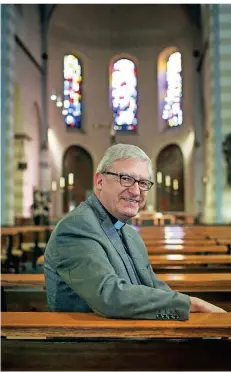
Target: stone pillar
(7,113)
(44,152)
(225,83)
(218,97)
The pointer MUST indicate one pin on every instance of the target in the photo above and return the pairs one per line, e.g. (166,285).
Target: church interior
(76,79)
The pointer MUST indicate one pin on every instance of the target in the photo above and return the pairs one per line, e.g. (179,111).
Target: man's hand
(201,306)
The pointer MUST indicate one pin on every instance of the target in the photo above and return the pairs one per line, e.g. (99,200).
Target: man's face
(122,202)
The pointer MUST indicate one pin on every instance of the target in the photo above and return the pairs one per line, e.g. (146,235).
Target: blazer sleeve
(83,264)
(157,283)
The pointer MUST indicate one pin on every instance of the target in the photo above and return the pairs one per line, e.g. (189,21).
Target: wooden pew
(185,249)
(24,233)
(75,341)
(180,259)
(10,252)
(212,287)
(213,231)
(158,260)
(92,325)
(158,219)
(187,282)
(184,242)
(224,241)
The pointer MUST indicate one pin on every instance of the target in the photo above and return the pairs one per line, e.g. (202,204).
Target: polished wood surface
(180,259)
(116,355)
(9,280)
(203,282)
(224,241)
(8,231)
(13,230)
(180,248)
(26,325)
(189,282)
(184,242)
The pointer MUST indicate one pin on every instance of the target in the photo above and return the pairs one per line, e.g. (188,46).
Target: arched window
(170,88)
(123,94)
(72,92)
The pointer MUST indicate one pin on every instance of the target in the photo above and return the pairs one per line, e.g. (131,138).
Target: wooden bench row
(182,282)
(187,231)
(162,220)
(169,260)
(29,292)
(45,325)
(185,249)
(16,240)
(83,342)
(152,237)
(180,259)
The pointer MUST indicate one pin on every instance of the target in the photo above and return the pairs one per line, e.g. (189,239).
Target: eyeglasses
(128,181)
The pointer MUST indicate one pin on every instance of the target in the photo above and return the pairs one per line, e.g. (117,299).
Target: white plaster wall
(28,29)
(95,51)
(28,79)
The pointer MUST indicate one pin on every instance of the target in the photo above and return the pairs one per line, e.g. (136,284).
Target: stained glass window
(171,102)
(123,89)
(72,102)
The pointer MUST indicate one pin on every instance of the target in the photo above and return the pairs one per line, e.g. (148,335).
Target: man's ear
(98,181)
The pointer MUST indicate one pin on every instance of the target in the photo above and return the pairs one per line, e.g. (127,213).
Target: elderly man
(95,262)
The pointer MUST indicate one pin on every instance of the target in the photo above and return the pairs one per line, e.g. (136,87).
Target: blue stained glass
(72,92)
(123,87)
(172,103)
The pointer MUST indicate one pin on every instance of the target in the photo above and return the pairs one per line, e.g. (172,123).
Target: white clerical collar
(119,224)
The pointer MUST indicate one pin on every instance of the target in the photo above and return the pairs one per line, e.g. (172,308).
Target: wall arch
(170,179)
(78,161)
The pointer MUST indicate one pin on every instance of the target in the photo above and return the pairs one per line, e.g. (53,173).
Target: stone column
(218,81)
(225,83)
(7,113)
(44,151)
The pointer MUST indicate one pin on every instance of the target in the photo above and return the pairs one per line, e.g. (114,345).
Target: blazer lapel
(107,226)
(114,238)
(139,262)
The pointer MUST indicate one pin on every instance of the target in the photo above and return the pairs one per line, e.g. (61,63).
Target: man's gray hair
(122,152)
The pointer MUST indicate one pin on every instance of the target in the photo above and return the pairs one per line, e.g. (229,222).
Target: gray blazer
(85,270)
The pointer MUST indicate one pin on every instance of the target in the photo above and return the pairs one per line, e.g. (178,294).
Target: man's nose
(135,188)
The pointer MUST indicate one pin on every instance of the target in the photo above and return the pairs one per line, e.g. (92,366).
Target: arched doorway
(170,179)
(77,161)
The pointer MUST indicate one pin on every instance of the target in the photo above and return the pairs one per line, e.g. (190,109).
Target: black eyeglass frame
(127,175)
